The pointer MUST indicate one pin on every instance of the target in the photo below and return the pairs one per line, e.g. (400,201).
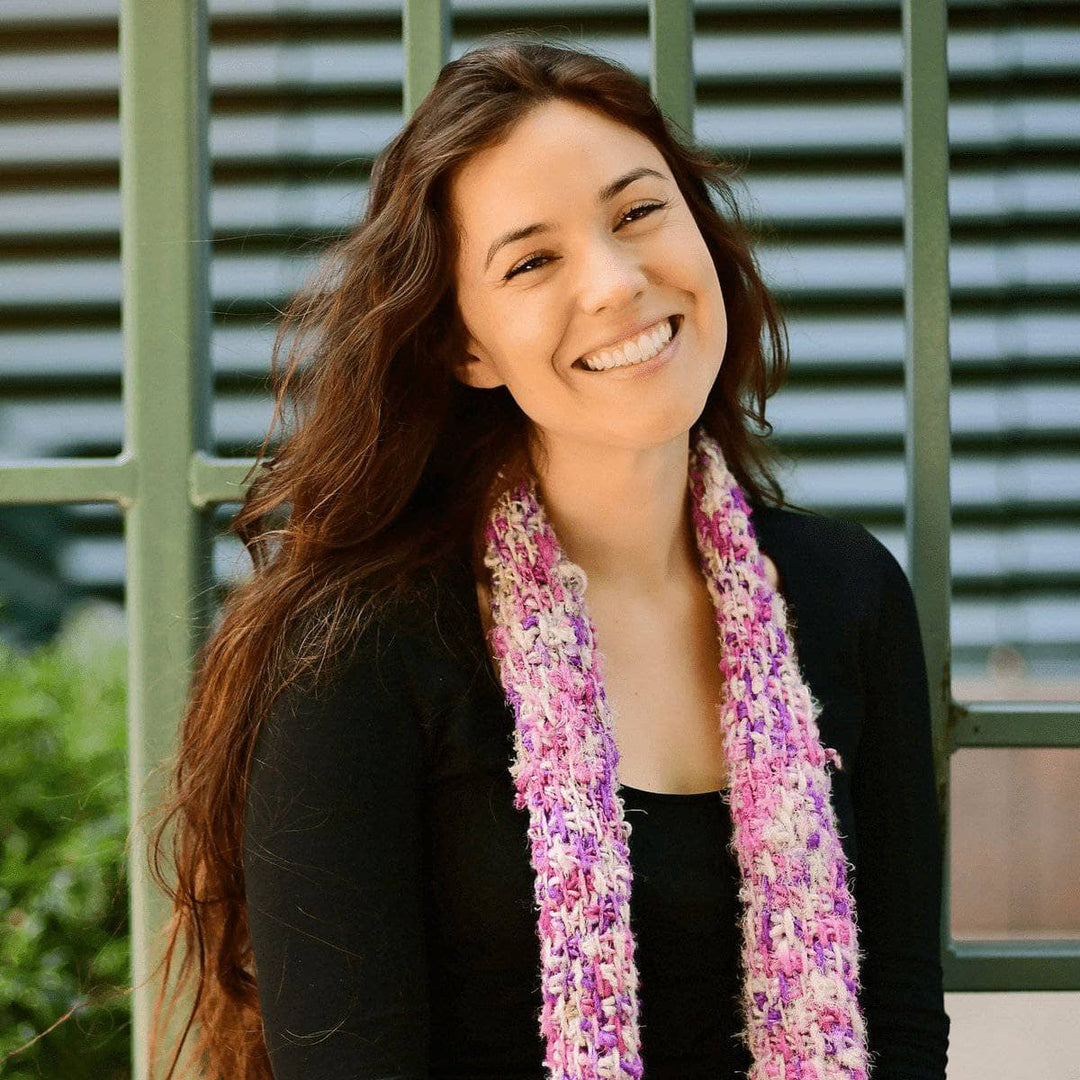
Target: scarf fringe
(799,946)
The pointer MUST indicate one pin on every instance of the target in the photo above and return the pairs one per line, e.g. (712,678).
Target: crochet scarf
(801,1016)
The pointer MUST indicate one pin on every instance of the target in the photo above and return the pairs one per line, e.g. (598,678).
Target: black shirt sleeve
(333,860)
(898,881)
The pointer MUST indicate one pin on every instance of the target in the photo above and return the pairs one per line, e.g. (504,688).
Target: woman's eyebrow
(605,194)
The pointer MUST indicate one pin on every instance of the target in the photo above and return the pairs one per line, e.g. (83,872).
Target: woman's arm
(897,883)
(333,859)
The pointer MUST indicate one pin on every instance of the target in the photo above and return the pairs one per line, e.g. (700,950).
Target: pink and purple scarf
(801,1018)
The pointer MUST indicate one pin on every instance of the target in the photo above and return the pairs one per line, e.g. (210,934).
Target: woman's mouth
(652,361)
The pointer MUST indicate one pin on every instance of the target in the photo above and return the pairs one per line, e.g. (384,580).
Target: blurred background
(304,93)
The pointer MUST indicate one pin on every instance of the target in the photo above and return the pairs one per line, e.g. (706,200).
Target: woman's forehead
(526,186)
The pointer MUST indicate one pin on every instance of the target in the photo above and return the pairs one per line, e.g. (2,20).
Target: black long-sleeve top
(389,888)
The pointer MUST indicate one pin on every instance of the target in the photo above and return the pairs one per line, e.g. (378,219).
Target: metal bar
(1016,723)
(164,182)
(926,368)
(671,60)
(1030,964)
(425,33)
(69,480)
(214,480)
(83,480)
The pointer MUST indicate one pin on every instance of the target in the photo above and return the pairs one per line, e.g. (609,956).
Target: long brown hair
(390,469)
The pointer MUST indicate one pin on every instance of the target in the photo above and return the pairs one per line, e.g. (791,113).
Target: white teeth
(642,348)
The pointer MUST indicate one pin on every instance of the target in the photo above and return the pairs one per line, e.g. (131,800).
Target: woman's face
(599,270)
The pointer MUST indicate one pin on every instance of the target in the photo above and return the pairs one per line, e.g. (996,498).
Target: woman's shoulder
(796,524)
(832,550)
(411,649)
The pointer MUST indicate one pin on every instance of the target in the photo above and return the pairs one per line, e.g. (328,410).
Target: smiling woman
(622,257)
(517,554)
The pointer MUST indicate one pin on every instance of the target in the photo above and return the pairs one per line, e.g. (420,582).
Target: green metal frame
(167,480)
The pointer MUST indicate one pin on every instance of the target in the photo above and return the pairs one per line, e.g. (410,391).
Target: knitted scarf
(801,1017)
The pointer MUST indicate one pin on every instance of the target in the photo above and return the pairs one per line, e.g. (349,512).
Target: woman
(415,754)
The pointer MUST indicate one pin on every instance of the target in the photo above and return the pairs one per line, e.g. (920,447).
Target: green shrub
(63,827)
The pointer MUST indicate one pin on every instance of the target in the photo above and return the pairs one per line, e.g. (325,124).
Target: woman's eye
(521,267)
(644,208)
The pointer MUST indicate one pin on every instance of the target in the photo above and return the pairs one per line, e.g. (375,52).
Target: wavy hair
(391,468)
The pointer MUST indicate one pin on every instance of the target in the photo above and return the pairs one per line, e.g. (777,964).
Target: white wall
(1014,1036)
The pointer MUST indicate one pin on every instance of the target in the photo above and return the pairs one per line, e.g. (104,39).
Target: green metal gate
(167,481)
